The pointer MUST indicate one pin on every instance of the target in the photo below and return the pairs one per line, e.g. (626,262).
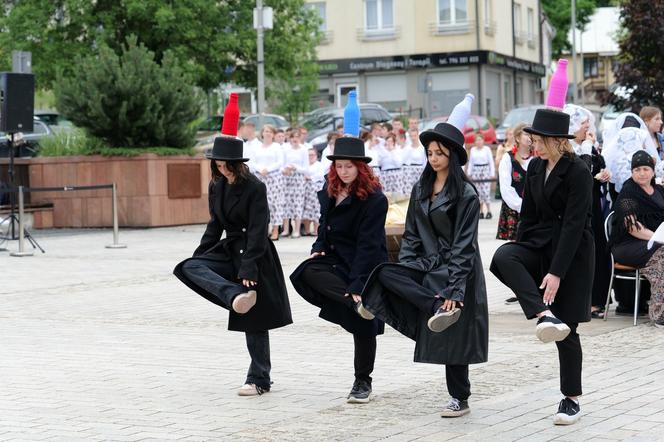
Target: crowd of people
(557,184)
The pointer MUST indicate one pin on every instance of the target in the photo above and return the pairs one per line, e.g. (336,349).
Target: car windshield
(516,116)
(317,121)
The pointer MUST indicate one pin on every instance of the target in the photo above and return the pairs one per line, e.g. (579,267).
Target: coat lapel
(556,177)
(228,204)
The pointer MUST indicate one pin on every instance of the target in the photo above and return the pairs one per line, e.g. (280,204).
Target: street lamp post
(260,61)
(574,51)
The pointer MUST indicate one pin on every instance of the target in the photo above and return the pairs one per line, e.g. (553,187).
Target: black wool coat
(555,219)
(352,235)
(440,238)
(245,217)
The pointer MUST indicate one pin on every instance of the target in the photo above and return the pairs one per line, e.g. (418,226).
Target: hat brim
(530,130)
(346,157)
(211,157)
(431,135)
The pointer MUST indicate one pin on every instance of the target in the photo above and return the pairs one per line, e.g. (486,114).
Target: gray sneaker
(442,319)
(244,302)
(360,393)
(455,408)
(364,313)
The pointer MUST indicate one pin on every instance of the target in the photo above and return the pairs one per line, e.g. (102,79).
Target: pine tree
(129,100)
(641,55)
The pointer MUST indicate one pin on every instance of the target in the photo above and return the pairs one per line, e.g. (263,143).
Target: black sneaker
(443,319)
(659,324)
(569,412)
(512,300)
(481,215)
(360,393)
(488,215)
(455,408)
(551,329)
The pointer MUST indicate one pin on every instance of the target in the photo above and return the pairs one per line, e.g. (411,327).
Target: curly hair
(365,183)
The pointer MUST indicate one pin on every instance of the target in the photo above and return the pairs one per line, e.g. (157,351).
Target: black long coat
(244,216)
(440,238)
(352,235)
(555,219)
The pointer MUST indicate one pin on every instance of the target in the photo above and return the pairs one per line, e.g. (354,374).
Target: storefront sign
(424,61)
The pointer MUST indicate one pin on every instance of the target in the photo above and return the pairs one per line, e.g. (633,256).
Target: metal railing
(21,212)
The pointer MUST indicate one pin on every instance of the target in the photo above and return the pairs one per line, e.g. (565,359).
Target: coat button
(329,228)
(243,229)
(241,251)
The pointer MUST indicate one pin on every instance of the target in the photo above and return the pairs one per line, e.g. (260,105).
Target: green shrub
(130,100)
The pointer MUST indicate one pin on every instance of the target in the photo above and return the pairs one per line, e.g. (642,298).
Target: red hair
(364,184)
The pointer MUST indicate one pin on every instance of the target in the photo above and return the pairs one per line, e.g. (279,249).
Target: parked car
(54,120)
(26,143)
(524,114)
(212,124)
(322,121)
(474,124)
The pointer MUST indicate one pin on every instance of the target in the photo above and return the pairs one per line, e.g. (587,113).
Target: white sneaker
(443,319)
(363,312)
(244,302)
(251,390)
(551,329)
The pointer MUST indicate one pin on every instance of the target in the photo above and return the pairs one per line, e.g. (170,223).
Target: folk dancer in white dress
(481,169)
(294,169)
(266,162)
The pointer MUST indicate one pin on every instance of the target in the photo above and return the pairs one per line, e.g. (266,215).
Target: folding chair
(627,272)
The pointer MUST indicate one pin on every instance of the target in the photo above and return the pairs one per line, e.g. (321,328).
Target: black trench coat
(555,219)
(454,270)
(352,235)
(251,252)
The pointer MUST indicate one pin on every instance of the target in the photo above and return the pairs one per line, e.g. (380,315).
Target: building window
(452,11)
(319,7)
(517,19)
(531,24)
(379,15)
(590,68)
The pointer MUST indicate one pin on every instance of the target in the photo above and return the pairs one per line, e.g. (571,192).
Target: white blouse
(296,157)
(414,156)
(317,171)
(507,192)
(390,159)
(269,158)
(480,157)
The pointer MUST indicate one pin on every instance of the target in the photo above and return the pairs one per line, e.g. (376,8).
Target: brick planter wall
(152,190)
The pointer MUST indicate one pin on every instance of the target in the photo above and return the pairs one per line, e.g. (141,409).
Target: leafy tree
(129,100)
(560,15)
(641,55)
(212,41)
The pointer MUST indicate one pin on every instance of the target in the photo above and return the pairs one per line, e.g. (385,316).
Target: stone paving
(99,344)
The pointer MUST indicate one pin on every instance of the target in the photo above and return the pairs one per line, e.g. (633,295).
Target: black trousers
(407,283)
(322,278)
(521,269)
(216,278)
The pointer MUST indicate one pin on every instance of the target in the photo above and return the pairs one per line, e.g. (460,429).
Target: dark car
(474,124)
(212,124)
(325,120)
(27,143)
(524,114)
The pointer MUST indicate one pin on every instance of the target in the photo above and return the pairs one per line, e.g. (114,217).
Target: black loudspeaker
(17,102)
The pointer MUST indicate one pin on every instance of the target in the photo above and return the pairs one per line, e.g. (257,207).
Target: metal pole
(116,231)
(21,227)
(574,83)
(583,71)
(260,61)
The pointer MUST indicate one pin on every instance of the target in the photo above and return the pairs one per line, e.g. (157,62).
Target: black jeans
(407,283)
(521,269)
(323,279)
(258,344)
(216,277)
(458,384)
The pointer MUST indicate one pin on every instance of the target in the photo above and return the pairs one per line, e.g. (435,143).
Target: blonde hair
(270,128)
(516,133)
(557,147)
(649,112)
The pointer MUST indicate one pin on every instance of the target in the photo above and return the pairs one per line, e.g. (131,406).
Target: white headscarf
(612,130)
(613,147)
(577,116)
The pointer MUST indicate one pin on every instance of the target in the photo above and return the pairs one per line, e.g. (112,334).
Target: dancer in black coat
(241,272)
(550,266)
(350,244)
(436,293)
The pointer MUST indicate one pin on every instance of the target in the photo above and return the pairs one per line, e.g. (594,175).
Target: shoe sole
(364,313)
(244,302)
(448,414)
(353,400)
(441,321)
(563,419)
(548,332)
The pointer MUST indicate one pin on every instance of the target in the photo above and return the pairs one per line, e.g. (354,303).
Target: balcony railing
(392,33)
(490,28)
(520,37)
(450,28)
(532,41)
(327,37)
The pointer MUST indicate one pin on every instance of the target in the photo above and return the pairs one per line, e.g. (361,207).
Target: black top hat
(449,136)
(349,148)
(227,148)
(550,123)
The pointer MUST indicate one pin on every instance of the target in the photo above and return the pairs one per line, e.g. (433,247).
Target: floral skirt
(274,183)
(482,172)
(507,223)
(393,180)
(411,175)
(294,194)
(311,203)
(654,272)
